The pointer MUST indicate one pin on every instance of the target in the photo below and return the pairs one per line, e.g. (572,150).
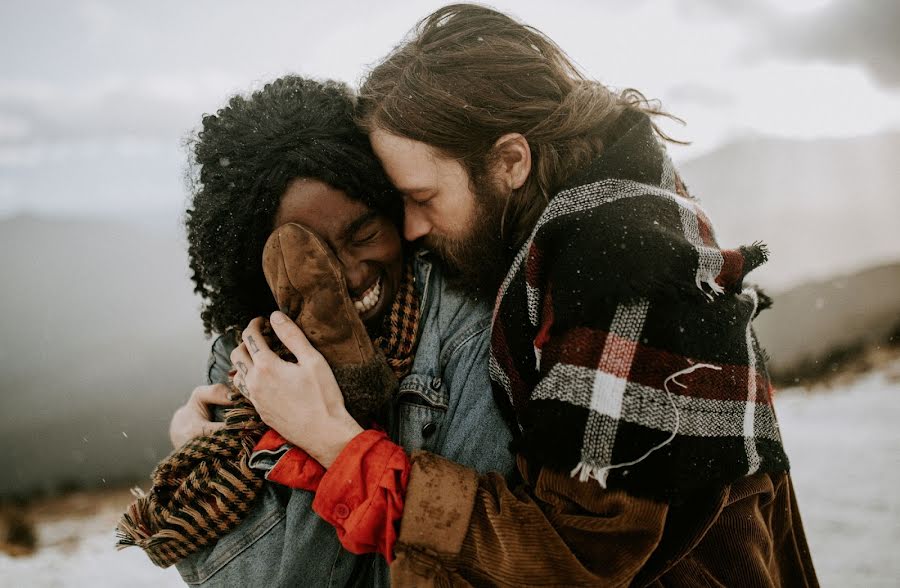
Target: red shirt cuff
(294,469)
(362,493)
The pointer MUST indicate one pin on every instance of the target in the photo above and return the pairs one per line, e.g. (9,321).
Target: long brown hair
(467,75)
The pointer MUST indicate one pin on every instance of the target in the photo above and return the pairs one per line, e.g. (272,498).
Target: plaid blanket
(622,338)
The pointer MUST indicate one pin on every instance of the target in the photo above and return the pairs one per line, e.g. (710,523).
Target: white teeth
(369,299)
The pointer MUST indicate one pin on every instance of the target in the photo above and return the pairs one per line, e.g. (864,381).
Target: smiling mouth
(369,298)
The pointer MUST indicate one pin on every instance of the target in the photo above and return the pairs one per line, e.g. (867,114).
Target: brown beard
(476,262)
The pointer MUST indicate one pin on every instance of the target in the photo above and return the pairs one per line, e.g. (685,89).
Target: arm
(281,542)
(472,433)
(561,524)
(553,530)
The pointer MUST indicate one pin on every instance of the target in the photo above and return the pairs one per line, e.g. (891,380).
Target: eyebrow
(361,221)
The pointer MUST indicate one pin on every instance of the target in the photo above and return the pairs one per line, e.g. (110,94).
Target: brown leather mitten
(309,286)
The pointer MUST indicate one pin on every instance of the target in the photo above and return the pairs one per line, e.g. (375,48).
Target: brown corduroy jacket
(459,529)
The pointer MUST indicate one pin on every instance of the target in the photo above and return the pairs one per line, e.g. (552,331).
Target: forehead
(323,208)
(410,164)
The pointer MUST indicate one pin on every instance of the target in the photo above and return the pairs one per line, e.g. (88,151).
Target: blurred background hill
(823,206)
(101,341)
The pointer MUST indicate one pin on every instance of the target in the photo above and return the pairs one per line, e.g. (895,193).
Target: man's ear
(513,160)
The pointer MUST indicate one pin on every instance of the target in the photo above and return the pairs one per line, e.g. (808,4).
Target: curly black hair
(242,161)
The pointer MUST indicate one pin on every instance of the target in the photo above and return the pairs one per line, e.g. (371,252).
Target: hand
(194,419)
(302,400)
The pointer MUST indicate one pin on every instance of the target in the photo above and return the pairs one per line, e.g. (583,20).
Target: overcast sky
(97,97)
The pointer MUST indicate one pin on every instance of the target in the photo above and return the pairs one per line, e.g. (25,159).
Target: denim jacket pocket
(266,519)
(422,406)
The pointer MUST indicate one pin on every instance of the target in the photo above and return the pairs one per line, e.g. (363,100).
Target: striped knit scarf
(205,489)
(622,338)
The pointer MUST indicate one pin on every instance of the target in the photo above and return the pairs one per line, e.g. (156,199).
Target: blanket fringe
(709,280)
(586,471)
(134,526)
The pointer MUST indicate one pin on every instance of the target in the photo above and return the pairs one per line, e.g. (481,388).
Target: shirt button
(341,511)
(428,430)
(436,383)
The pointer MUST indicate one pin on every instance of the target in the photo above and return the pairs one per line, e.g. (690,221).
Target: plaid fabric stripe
(710,258)
(649,407)
(582,347)
(749,429)
(610,381)
(533,278)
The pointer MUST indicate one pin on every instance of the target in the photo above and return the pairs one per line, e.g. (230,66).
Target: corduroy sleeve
(460,529)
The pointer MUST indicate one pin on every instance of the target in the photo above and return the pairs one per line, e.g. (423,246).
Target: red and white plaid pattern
(630,383)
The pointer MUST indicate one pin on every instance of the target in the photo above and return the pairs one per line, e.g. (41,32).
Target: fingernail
(278,317)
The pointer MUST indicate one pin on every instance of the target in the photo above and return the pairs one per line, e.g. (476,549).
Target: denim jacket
(445,406)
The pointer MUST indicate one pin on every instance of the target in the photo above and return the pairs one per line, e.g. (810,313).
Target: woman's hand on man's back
(194,418)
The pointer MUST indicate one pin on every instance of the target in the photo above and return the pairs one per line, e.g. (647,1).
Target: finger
(291,335)
(241,385)
(215,394)
(210,428)
(255,342)
(213,427)
(241,360)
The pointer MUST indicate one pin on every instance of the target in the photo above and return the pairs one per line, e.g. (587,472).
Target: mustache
(451,251)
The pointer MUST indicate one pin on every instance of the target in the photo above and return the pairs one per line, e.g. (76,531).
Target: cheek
(452,216)
(388,250)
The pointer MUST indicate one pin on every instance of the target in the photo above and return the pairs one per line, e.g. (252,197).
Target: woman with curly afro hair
(261,161)
(291,153)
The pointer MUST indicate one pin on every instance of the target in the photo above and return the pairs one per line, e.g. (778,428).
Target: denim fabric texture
(445,406)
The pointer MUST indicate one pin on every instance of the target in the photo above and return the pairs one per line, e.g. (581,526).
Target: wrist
(335,439)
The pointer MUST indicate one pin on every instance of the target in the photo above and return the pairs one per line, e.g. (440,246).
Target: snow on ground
(75,548)
(844,445)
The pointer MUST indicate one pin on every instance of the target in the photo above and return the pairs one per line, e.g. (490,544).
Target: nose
(354,271)
(415,225)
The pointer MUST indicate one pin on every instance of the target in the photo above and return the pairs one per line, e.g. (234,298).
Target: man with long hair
(622,346)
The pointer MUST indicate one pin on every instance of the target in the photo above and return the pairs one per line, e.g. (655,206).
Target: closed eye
(367,237)
(422,200)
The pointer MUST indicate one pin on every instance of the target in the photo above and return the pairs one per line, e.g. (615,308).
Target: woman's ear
(513,157)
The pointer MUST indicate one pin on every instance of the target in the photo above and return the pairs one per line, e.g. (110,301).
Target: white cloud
(137,81)
(815,100)
(803,101)
(13,127)
(113,107)
(99,17)
(799,7)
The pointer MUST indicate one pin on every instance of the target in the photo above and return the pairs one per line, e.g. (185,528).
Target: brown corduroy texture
(205,489)
(557,531)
